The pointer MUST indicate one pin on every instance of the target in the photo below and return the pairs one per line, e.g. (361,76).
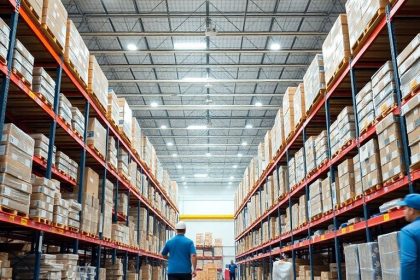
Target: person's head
(231,261)
(412,206)
(181,227)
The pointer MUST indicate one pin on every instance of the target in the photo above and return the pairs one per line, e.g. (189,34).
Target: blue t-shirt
(180,249)
(232,267)
(410,250)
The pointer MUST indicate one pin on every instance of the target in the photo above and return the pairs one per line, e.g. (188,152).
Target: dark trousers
(232,275)
(180,276)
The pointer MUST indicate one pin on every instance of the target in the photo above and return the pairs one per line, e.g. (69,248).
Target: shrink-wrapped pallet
(292,172)
(64,109)
(278,137)
(96,136)
(384,89)
(302,210)
(112,152)
(23,63)
(299,104)
(310,154)
(54,19)
(314,81)
(409,67)
(123,162)
(41,147)
(113,109)
(336,48)
(43,84)
(365,108)
(126,117)
(136,136)
(352,261)
(370,264)
(76,53)
(321,148)
(97,83)
(300,164)
(411,112)
(315,198)
(346,179)
(78,121)
(288,111)
(389,253)
(4,40)
(370,168)
(268,151)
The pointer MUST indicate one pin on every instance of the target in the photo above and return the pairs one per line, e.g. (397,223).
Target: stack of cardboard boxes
(97,82)
(6,271)
(314,81)
(299,104)
(112,152)
(389,253)
(43,84)
(288,111)
(136,136)
(76,53)
(4,42)
(78,121)
(336,47)
(365,108)
(113,109)
(65,164)
(41,147)
(42,199)
(64,109)
(90,202)
(120,233)
(126,118)
(315,196)
(74,214)
(330,194)
(69,263)
(368,171)
(321,148)
(123,204)
(277,132)
(310,154)
(384,89)
(390,147)
(409,67)
(346,180)
(61,210)
(123,162)
(49,267)
(411,112)
(300,165)
(114,271)
(96,136)
(292,172)
(342,130)
(23,62)
(54,17)
(302,210)
(15,169)
(108,203)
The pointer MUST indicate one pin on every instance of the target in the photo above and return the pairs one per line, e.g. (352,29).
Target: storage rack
(20,105)
(392,33)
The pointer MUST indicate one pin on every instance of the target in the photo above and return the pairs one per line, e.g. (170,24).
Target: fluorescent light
(132,47)
(200,175)
(183,177)
(208,154)
(163,126)
(190,45)
(275,46)
(258,104)
(179,166)
(244,143)
(169,144)
(235,166)
(197,79)
(154,104)
(239,155)
(231,178)
(248,126)
(197,127)
(230,183)
(174,155)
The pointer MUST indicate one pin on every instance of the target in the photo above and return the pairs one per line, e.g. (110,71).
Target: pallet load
(411,112)
(69,263)
(136,136)
(277,133)
(113,109)
(41,147)
(66,165)
(74,214)
(114,271)
(64,110)
(409,67)
(112,153)
(321,148)
(346,180)
(123,204)
(292,172)
(76,53)
(384,90)
(300,165)
(42,199)
(365,108)
(283,180)
(343,130)
(78,121)
(370,265)
(314,81)
(4,41)
(123,163)
(351,256)
(43,84)
(106,214)
(54,18)
(96,137)
(389,253)
(86,272)
(302,210)
(336,48)
(261,157)
(268,151)
(24,267)
(61,210)
(23,63)
(390,148)
(315,198)
(97,83)
(6,271)
(15,170)
(369,171)
(132,172)
(90,202)
(288,111)
(327,197)
(310,154)
(120,233)
(299,104)
(360,17)
(125,119)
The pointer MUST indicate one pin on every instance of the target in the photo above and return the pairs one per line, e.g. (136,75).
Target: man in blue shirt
(410,239)
(232,270)
(182,255)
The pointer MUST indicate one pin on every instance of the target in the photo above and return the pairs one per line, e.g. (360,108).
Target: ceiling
(237,58)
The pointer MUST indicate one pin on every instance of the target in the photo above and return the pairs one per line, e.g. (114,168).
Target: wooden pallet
(415,166)
(372,189)
(385,111)
(74,229)
(75,73)
(21,77)
(393,179)
(50,35)
(42,220)
(327,213)
(345,203)
(3,60)
(97,152)
(78,134)
(111,120)
(88,234)
(318,96)
(65,122)
(13,212)
(340,69)
(31,11)
(97,102)
(316,217)
(360,42)
(58,225)
(367,127)
(342,148)
(414,91)
(106,239)
(44,99)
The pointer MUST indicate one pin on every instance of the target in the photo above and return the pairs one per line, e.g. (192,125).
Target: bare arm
(194,263)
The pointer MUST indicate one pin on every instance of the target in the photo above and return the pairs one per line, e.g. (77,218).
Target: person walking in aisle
(409,239)
(182,255)
(232,270)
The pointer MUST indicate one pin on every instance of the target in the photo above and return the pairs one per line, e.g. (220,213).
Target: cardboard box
(54,16)
(126,117)
(288,111)
(97,82)
(91,182)
(136,136)
(314,81)
(96,136)
(43,84)
(113,107)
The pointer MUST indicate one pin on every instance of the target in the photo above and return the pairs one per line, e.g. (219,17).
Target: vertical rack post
(115,215)
(332,181)
(290,216)
(403,127)
(127,223)
(138,236)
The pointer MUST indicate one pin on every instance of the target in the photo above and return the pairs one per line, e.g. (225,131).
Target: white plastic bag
(282,270)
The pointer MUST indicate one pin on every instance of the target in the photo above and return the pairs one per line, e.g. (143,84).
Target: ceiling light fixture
(197,79)
(235,166)
(132,47)
(154,104)
(182,177)
(231,178)
(190,45)
(174,155)
(197,127)
(230,183)
(275,46)
(244,143)
(201,175)
(169,144)
(239,155)
(258,104)
(208,154)
(248,126)
(163,126)
(179,166)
